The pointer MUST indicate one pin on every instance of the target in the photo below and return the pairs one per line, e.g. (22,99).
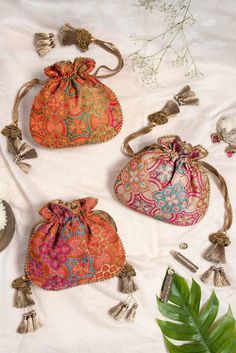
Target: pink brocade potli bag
(73,245)
(168,180)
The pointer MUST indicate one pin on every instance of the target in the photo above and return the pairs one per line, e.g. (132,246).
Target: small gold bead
(183,246)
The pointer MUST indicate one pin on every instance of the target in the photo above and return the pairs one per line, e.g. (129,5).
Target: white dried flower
(3,216)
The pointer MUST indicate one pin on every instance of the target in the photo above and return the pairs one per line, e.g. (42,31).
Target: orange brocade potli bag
(73,107)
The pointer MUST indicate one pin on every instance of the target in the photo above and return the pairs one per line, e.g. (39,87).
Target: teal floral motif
(171,199)
(87,269)
(73,226)
(78,126)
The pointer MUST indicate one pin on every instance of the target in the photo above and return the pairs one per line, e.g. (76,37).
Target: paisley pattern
(74,246)
(74,108)
(166,182)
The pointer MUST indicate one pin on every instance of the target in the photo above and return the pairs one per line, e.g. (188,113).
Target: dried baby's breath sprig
(172,41)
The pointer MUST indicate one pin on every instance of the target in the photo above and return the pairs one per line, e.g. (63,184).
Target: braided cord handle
(228,218)
(23,91)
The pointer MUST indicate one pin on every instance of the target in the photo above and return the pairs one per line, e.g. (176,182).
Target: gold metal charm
(184,261)
(183,246)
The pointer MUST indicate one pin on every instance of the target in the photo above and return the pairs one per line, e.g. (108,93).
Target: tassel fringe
(119,311)
(216,252)
(220,278)
(29,323)
(171,108)
(44,43)
(23,299)
(127,284)
(125,309)
(20,150)
(132,312)
(206,275)
(186,97)
(23,293)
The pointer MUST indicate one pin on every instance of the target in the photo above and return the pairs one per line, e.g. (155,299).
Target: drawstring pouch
(168,181)
(73,106)
(73,245)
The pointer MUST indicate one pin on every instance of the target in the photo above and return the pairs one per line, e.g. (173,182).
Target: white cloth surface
(76,320)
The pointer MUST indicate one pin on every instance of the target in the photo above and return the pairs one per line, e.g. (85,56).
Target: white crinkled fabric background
(76,320)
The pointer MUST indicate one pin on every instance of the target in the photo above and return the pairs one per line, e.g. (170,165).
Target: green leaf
(197,328)
(195,297)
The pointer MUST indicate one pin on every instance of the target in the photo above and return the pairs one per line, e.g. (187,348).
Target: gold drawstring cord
(23,91)
(228,219)
(158,118)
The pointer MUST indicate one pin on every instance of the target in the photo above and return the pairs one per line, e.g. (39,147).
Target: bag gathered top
(73,245)
(73,107)
(168,180)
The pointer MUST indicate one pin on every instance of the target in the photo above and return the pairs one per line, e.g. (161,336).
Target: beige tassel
(225,280)
(20,150)
(206,275)
(171,108)
(44,43)
(218,280)
(114,311)
(127,284)
(23,293)
(23,325)
(29,323)
(216,253)
(118,315)
(132,312)
(36,323)
(186,97)
(81,37)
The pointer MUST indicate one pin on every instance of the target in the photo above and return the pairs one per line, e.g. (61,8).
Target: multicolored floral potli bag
(73,245)
(168,181)
(73,108)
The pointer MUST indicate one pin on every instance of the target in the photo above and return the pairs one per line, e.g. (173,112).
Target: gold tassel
(132,312)
(81,37)
(186,97)
(23,325)
(216,253)
(225,281)
(218,280)
(119,314)
(23,297)
(127,284)
(44,43)
(20,150)
(29,323)
(36,322)
(171,108)
(114,311)
(206,275)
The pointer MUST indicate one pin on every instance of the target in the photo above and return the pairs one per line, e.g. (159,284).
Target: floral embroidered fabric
(74,108)
(74,246)
(166,181)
